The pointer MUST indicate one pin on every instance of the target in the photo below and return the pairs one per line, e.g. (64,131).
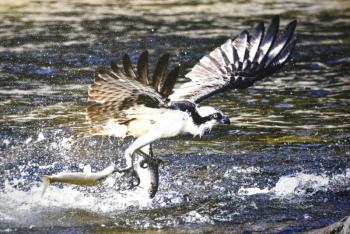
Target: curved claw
(135,179)
(151,162)
(161,162)
(144,164)
(134,176)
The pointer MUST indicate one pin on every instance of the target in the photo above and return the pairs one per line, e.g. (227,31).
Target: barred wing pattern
(240,62)
(115,91)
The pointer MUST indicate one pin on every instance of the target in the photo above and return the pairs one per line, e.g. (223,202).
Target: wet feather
(128,67)
(142,68)
(159,73)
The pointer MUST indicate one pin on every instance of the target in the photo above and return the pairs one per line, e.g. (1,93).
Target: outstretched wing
(118,90)
(240,62)
(123,87)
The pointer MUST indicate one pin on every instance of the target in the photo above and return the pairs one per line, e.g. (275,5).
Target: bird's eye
(215,116)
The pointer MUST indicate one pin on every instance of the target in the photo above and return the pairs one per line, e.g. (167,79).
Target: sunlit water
(282,166)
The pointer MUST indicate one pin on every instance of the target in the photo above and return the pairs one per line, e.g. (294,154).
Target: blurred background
(283,165)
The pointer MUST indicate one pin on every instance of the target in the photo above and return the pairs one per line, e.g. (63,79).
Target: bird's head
(203,118)
(211,116)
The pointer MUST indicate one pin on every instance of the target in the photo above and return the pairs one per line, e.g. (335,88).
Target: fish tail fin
(46,183)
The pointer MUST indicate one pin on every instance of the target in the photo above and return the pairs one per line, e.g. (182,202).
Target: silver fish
(78,178)
(146,168)
(148,172)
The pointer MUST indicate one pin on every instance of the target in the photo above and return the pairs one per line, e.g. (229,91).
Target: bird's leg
(146,153)
(135,179)
(149,159)
(140,142)
(150,164)
(151,151)
(158,161)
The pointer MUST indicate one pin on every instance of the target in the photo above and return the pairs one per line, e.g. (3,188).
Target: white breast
(164,122)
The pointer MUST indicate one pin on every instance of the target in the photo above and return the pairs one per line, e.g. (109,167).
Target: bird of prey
(128,102)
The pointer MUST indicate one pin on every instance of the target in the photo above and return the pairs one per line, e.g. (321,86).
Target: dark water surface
(283,165)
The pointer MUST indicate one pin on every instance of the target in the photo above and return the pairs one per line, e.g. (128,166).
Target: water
(283,165)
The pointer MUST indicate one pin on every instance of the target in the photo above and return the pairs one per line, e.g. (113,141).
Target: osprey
(125,102)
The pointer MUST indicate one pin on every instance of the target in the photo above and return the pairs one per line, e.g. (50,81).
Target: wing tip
(159,71)
(170,81)
(101,74)
(144,53)
(255,58)
(275,20)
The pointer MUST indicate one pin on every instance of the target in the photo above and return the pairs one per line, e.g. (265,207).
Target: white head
(208,117)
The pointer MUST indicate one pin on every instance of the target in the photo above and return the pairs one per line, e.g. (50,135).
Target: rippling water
(282,166)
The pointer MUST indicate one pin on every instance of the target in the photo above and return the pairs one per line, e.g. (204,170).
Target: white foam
(238,171)
(17,205)
(66,143)
(6,142)
(252,191)
(301,184)
(195,217)
(87,169)
(17,202)
(41,137)
(29,139)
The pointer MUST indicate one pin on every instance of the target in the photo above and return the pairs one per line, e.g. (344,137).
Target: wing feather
(128,67)
(268,39)
(255,41)
(238,63)
(159,73)
(227,49)
(170,82)
(118,90)
(116,71)
(281,42)
(142,68)
(240,45)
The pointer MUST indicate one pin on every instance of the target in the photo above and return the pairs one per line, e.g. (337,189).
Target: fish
(86,178)
(148,171)
(147,176)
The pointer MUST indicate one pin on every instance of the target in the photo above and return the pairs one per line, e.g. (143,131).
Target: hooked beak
(225,120)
